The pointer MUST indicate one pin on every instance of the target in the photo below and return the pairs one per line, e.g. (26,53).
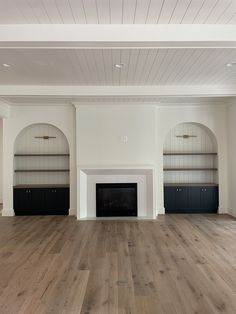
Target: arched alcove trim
(41,171)
(201,125)
(190,169)
(38,123)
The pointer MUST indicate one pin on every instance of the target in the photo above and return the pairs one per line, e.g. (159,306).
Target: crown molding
(119,91)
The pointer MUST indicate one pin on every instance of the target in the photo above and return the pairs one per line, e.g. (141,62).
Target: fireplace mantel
(89,175)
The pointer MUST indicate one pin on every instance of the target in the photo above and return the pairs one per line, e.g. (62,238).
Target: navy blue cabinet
(176,199)
(170,199)
(41,201)
(209,199)
(191,199)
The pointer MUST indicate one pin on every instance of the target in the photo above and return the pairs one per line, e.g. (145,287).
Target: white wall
(101,129)
(231,122)
(116,137)
(101,132)
(1,152)
(63,117)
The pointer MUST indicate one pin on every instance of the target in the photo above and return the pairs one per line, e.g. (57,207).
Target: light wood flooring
(177,264)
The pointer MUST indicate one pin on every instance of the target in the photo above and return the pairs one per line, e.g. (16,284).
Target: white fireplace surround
(88,176)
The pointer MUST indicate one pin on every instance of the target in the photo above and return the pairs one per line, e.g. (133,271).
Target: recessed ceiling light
(6,65)
(119,65)
(231,64)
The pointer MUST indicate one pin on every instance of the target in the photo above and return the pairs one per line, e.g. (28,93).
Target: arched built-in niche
(41,171)
(41,160)
(190,146)
(190,170)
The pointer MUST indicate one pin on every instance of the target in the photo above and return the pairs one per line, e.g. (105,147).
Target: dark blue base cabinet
(41,201)
(191,199)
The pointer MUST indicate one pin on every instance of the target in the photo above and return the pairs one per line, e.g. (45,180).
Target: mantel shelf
(190,169)
(189,154)
(42,170)
(41,155)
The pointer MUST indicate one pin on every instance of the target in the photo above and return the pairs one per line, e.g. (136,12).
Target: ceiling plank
(99,67)
(117,11)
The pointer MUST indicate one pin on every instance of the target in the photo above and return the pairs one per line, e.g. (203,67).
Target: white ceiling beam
(5,109)
(119,91)
(117,36)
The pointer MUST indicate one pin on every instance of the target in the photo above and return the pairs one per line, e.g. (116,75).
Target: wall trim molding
(232,213)
(72,211)
(220,90)
(223,211)
(4,109)
(8,213)
(109,174)
(160,211)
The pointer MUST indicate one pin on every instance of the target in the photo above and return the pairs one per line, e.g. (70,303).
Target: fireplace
(116,199)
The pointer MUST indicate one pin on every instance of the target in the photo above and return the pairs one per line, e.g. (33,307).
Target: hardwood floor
(178,264)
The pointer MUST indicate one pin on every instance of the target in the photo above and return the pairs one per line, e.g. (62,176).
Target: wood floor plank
(177,264)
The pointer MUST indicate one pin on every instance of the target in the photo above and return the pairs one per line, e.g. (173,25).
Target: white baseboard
(115,218)
(223,211)
(72,212)
(8,212)
(232,212)
(160,211)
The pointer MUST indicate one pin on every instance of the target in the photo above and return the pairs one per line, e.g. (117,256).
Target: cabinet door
(195,199)
(209,199)
(182,199)
(22,201)
(169,199)
(176,199)
(37,201)
(63,197)
(50,200)
(57,201)
(28,201)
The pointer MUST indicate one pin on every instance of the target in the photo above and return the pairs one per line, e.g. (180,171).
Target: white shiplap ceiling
(118,11)
(96,67)
(78,60)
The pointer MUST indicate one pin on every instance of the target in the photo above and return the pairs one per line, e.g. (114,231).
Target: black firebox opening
(116,199)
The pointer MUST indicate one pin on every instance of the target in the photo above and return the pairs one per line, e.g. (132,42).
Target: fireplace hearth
(116,199)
